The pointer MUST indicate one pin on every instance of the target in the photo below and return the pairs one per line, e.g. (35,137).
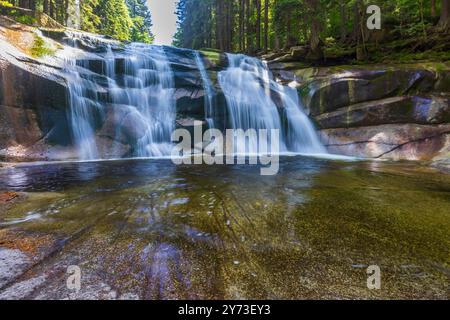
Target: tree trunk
(229,26)
(241,25)
(266,25)
(288,30)
(258,25)
(45,6)
(220,17)
(359,29)
(66,12)
(342,4)
(433,8)
(444,22)
(249,27)
(24,4)
(52,9)
(32,4)
(316,52)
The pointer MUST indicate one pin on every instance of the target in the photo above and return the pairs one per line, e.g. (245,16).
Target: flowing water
(141,97)
(152,230)
(136,87)
(148,229)
(210,95)
(250,91)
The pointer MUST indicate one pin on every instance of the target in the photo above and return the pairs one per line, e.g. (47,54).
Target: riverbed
(147,229)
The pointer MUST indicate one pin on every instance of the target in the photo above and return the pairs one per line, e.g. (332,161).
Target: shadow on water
(153,230)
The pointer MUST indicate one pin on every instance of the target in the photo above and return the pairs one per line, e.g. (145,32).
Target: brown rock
(388,111)
(404,141)
(7,196)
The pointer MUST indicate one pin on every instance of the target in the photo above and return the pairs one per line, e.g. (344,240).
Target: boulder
(190,102)
(18,126)
(401,109)
(299,52)
(31,89)
(405,141)
(123,124)
(341,90)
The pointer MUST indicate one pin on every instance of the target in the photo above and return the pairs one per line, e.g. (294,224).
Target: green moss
(211,55)
(40,48)
(25,20)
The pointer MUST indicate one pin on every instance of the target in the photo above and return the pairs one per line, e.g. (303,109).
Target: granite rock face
(392,112)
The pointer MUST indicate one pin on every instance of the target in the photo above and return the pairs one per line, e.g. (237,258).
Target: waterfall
(140,97)
(82,112)
(123,101)
(252,95)
(210,95)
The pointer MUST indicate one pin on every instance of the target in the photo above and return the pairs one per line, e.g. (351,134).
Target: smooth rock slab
(12,264)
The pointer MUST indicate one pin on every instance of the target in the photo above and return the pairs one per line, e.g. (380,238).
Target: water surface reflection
(152,230)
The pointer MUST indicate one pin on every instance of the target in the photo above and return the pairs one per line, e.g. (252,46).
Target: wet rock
(388,111)
(24,88)
(12,264)
(190,102)
(7,196)
(133,126)
(330,94)
(110,148)
(22,290)
(299,52)
(33,105)
(405,141)
(18,126)
(191,125)
(123,124)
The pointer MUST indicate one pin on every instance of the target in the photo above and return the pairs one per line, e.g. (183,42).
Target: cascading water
(83,111)
(143,91)
(210,95)
(249,89)
(130,91)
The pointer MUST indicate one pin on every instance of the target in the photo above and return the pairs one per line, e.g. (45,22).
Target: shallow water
(152,230)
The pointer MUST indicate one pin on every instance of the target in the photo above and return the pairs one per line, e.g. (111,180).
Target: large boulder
(406,141)
(401,109)
(330,94)
(123,124)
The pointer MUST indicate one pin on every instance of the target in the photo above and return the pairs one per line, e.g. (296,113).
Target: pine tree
(115,19)
(89,20)
(142,21)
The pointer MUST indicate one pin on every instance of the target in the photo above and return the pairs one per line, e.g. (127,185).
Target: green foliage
(115,19)
(26,20)
(141,21)
(120,19)
(5,4)
(139,31)
(337,27)
(195,23)
(40,48)
(89,20)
